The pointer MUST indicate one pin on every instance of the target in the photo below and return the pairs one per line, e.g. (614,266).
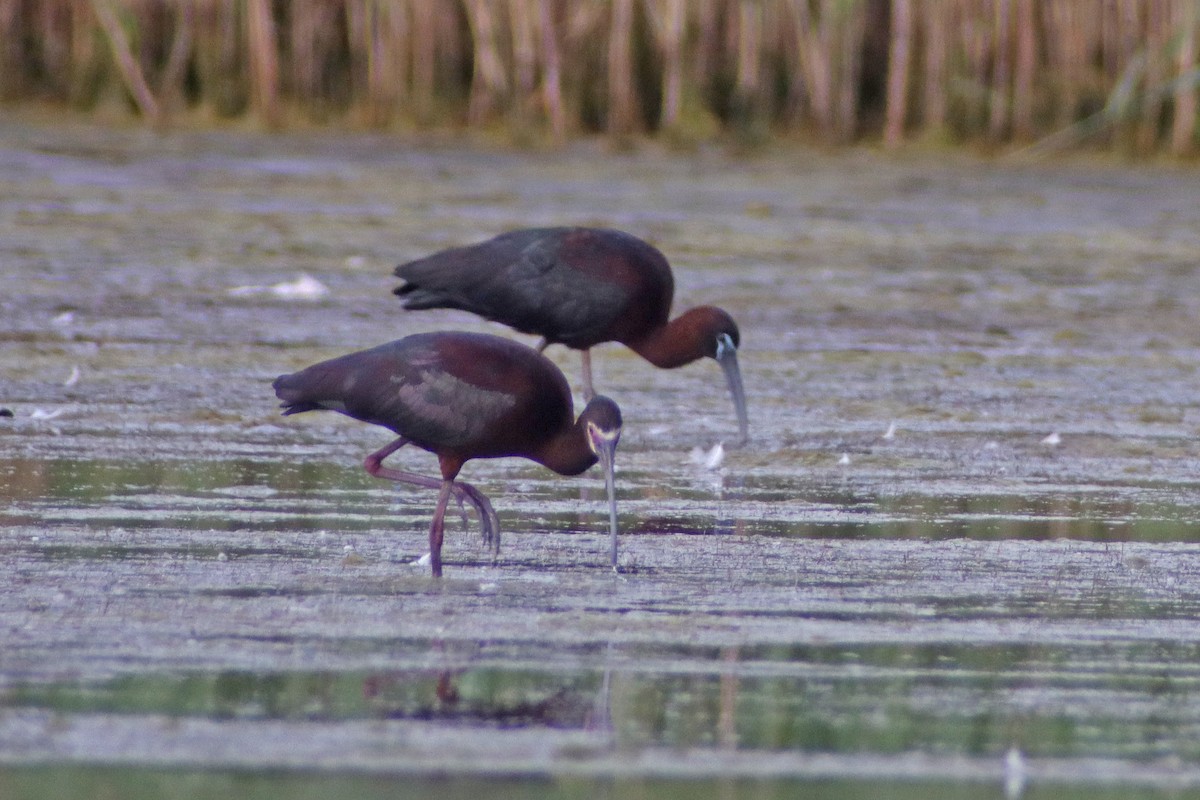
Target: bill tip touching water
(579,287)
(462,396)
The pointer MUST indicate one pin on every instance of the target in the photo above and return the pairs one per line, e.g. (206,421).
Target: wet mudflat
(959,554)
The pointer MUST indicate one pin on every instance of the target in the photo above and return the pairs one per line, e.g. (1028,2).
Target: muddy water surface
(959,555)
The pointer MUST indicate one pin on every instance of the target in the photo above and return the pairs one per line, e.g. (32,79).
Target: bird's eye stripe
(724,343)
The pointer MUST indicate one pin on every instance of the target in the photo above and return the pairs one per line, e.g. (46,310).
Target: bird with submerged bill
(578,287)
(462,396)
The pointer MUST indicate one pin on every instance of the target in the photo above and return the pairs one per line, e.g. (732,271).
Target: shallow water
(958,555)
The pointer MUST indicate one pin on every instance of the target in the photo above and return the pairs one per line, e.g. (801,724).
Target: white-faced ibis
(578,287)
(462,396)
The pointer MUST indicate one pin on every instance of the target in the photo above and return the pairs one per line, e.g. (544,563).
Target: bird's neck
(679,342)
(568,453)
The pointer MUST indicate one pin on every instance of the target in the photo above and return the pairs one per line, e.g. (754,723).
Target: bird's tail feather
(292,395)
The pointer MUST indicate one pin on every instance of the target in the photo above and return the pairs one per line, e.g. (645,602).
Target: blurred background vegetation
(1115,75)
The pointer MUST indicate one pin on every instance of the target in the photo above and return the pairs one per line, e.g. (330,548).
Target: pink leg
(463,493)
(437,529)
(373,463)
(487,515)
(588,391)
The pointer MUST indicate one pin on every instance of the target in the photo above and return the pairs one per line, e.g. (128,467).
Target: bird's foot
(487,532)
(489,523)
(462,510)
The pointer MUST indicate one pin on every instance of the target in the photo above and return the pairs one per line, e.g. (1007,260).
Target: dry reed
(1120,73)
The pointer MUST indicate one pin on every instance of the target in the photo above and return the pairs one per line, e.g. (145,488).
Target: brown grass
(1118,74)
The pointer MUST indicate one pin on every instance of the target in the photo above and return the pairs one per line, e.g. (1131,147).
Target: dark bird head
(719,335)
(601,420)
(720,329)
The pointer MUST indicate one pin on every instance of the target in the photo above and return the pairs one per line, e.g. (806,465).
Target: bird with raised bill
(462,396)
(578,287)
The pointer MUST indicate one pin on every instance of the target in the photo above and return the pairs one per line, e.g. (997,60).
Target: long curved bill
(727,358)
(606,449)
